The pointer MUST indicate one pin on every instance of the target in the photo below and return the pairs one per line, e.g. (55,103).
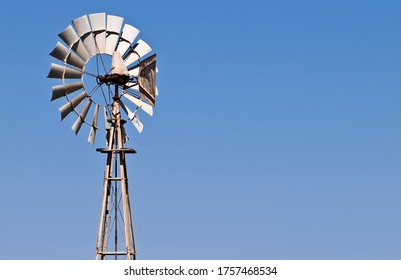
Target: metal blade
(63,72)
(111,41)
(81,25)
(98,22)
(80,49)
(81,118)
(70,105)
(56,71)
(144,106)
(105,114)
(72,40)
(127,37)
(133,117)
(100,41)
(92,133)
(139,50)
(62,53)
(75,60)
(89,43)
(129,113)
(134,71)
(114,25)
(84,31)
(137,123)
(69,36)
(62,90)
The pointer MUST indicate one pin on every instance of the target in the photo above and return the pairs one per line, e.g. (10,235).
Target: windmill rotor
(97,53)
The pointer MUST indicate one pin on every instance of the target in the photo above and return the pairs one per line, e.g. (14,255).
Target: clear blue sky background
(277,133)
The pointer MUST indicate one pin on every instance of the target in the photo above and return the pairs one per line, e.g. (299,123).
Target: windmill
(105,74)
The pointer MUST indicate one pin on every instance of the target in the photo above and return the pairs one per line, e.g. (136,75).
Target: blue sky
(277,133)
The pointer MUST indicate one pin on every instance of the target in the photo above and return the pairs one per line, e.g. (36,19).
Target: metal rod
(114,253)
(115,209)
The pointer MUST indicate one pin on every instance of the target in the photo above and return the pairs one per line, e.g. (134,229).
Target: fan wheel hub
(114,79)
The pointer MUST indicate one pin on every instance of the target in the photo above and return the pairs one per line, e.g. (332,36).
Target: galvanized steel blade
(98,23)
(81,118)
(63,54)
(92,133)
(80,49)
(75,60)
(62,90)
(113,29)
(84,31)
(64,72)
(129,113)
(133,117)
(89,43)
(144,106)
(114,24)
(137,123)
(70,105)
(82,25)
(140,49)
(134,71)
(60,52)
(127,37)
(69,36)
(106,116)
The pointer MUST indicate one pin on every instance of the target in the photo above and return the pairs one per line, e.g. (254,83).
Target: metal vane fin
(106,116)
(69,36)
(63,72)
(139,50)
(84,31)
(62,53)
(62,90)
(92,133)
(70,105)
(127,37)
(81,118)
(98,23)
(72,40)
(113,29)
(133,117)
(144,106)
(134,71)
(137,123)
